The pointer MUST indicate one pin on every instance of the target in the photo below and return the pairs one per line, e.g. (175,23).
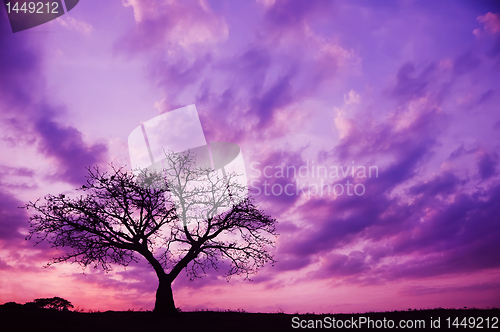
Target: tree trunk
(164,304)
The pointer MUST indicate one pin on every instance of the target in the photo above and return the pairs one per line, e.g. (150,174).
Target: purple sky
(407,87)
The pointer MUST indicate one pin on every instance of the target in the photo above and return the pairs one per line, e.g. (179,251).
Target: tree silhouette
(56,303)
(177,217)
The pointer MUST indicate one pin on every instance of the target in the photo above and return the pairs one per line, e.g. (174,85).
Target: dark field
(18,318)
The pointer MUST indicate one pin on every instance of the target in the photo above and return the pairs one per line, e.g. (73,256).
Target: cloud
(4,266)
(427,238)
(487,164)
(423,290)
(287,14)
(486,96)
(66,145)
(25,104)
(491,22)
(408,86)
(12,218)
(345,265)
(76,25)
(259,81)
(409,224)
(19,65)
(444,185)
(496,126)
(491,30)
(290,262)
(181,23)
(465,63)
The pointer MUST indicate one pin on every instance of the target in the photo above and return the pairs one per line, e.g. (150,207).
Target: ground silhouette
(18,317)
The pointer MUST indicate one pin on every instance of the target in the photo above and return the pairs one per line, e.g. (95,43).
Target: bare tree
(55,302)
(180,217)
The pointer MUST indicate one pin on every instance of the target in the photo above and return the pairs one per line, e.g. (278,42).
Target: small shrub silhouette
(56,303)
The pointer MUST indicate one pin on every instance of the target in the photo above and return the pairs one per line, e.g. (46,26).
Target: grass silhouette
(18,317)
